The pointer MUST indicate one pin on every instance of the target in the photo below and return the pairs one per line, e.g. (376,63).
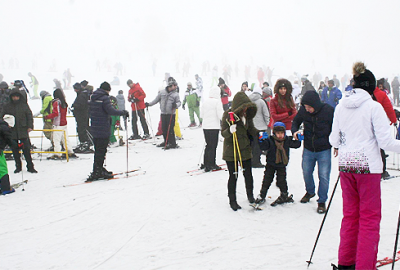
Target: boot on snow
(233,203)
(283,198)
(351,267)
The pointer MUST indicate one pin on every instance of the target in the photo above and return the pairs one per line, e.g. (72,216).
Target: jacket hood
(354,99)
(99,93)
(255,96)
(215,92)
(311,98)
(241,101)
(17,92)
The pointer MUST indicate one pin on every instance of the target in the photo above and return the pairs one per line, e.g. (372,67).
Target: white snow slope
(167,219)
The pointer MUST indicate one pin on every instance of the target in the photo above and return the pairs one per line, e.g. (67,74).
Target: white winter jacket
(360,129)
(211,111)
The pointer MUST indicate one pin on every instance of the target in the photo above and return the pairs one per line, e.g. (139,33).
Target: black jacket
(269,144)
(317,125)
(81,104)
(5,135)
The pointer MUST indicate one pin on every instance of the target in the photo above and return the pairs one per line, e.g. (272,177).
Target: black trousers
(211,137)
(100,150)
(269,174)
(142,117)
(383,155)
(256,152)
(225,106)
(168,123)
(248,178)
(82,126)
(26,151)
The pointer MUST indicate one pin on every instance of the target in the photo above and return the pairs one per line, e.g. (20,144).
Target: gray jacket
(261,120)
(121,101)
(169,101)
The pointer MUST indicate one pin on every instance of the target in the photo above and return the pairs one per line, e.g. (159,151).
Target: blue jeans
(324,170)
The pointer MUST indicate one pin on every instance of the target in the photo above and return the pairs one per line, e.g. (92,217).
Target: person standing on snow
(396,89)
(307,86)
(331,95)
(317,118)
(45,111)
(35,84)
(121,104)
(169,102)
(244,111)
(136,96)
(81,113)
(193,102)
(100,110)
(211,113)
(282,106)
(360,129)
(335,81)
(225,94)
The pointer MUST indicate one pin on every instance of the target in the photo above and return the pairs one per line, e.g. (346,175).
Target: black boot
(232,202)
(351,267)
(5,183)
(283,198)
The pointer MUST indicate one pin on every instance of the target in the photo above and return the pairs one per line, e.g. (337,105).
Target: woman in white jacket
(360,129)
(211,113)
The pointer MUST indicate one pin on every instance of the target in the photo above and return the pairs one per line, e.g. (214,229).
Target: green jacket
(47,107)
(245,132)
(191,98)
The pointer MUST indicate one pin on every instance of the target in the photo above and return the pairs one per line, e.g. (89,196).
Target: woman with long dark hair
(59,116)
(282,106)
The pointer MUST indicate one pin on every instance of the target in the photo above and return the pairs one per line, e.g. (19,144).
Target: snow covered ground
(167,219)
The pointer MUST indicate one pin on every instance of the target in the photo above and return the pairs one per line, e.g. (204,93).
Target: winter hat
(257,90)
(189,83)
(171,81)
(381,82)
(129,82)
(84,83)
(363,78)
(44,93)
(220,81)
(267,91)
(266,83)
(3,85)
(105,86)
(77,86)
(304,78)
(245,83)
(283,83)
(279,126)
(10,119)
(311,98)
(120,92)
(18,83)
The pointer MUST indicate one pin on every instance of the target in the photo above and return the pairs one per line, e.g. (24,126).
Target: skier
(136,97)
(225,93)
(5,138)
(282,105)
(59,116)
(277,159)
(211,113)
(81,113)
(121,103)
(261,121)
(35,84)
(331,94)
(193,102)
(169,101)
(360,128)
(100,110)
(47,109)
(19,108)
(317,118)
(244,111)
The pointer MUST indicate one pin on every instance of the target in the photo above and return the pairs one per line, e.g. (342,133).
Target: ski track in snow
(167,219)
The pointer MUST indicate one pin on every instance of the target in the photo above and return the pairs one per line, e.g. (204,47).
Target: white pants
(58,139)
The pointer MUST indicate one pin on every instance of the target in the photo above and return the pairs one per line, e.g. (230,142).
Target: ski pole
(127,146)
(151,126)
(169,126)
(234,144)
(137,117)
(323,221)
(396,242)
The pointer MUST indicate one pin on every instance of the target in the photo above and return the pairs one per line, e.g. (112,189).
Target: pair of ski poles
(236,148)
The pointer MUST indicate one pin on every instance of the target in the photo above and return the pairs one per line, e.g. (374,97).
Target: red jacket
(383,99)
(137,92)
(225,99)
(59,114)
(279,114)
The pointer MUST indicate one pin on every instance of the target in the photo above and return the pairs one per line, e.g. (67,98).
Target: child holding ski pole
(277,159)
(238,134)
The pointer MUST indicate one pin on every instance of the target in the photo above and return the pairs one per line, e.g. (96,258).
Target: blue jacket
(331,97)
(100,114)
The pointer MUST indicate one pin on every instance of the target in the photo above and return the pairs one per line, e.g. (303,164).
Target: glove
(117,123)
(173,105)
(20,145)
(290,113)
(300,137)
(232,128)
(183,106)
(146,104)
(197,103)
(125,113)
(262,136)
(136,100)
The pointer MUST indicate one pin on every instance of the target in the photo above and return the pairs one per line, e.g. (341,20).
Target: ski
(391,177)
(199,169)
(387,260)
(17,185)
(256,206)
(198,172)
(131,171)
(137,173)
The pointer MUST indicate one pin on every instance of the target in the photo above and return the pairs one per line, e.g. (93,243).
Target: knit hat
(77,86)
(44,93)
(171,81)
(363,78)
(129,82)
(3,85)
(267,91)
(105,86)
(279,126)
(84,83)
(220,81)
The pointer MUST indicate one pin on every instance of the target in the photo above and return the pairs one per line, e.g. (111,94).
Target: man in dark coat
(100,116)
(19,108)
(81,110)
(317,118)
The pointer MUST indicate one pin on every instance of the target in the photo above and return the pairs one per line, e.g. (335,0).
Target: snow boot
(233,203)
(193,124)
(321,208)
(5,192)
(260,199)
(351,267)
(161,144)
(250,196)
(107,172)
(135,137)
(306,198)
(32,170)
(283,198)
(18,169)
(385,175)
(216,167)
(146,137)
(170,146)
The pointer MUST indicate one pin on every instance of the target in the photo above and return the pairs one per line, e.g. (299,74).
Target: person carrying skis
(360,129)
(80,109)
(169,102)
(100,109)
(193,102)
(5,138)
(136,96)
(244,131)
(277,159)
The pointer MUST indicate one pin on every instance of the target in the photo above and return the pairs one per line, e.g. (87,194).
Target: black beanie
(105,86)
(363,78)
(77,86)
(245,83)
(84,83)
(129,82)
(221,81)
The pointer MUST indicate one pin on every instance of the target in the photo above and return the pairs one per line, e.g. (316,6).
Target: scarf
(280,151)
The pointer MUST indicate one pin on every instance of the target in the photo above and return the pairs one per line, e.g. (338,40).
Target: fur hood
(241,101)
